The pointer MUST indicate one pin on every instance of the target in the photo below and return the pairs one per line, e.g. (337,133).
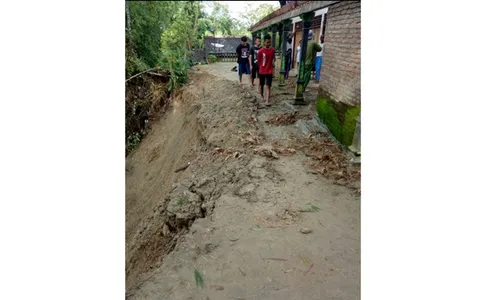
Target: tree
(256,12)
(240,28)
(156,26)
(218,21)
(147,22)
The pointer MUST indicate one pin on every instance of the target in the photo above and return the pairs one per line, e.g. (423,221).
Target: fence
(224,48)
(233,57)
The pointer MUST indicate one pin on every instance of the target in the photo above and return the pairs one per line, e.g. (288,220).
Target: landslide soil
(261,212)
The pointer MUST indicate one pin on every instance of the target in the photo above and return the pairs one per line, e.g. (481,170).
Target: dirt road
(249,218)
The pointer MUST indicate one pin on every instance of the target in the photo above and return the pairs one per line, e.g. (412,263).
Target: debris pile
(330,161)
(251,138)
(266,151)
(229,152)
(287,118)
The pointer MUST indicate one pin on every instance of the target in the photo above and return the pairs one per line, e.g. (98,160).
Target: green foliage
(133,141)
(212,59)
(157,27)
(254,12)
(177,63)
(219,20)
(134,65)
(147,22)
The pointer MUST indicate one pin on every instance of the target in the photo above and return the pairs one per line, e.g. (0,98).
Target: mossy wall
(340,118)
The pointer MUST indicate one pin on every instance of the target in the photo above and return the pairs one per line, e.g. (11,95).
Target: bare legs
(268,88)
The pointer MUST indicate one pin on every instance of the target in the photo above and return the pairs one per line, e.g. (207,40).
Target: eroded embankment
(159,212)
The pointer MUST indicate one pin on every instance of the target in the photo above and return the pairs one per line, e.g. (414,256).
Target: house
(338,103)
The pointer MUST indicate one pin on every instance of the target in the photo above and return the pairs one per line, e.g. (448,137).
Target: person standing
(288,56)
(254,66)
(243,51)
(319,57)
(299,47)
(265,59)
(312,48)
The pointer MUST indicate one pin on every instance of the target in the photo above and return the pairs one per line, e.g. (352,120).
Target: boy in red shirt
(265,59)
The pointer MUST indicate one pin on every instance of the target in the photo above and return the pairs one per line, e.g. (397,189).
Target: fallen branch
(157,74)
(149,70)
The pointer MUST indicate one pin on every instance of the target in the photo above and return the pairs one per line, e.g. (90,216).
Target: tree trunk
(127,17)
(196,17)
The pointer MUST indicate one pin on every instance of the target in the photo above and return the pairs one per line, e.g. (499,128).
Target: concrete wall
(339,98)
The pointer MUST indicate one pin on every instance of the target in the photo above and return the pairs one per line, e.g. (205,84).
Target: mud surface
(261,212)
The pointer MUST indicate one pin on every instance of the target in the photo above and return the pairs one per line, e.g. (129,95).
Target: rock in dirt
(183,207)
(305,230)
(208,206)
(209,247)
(206,248)
(246,189)
(205,187)
(266,151)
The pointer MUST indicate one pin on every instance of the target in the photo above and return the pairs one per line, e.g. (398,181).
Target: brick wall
(340,72)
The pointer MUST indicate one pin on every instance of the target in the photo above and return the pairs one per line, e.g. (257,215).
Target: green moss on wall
(329,117)
(340,120)
(349,125)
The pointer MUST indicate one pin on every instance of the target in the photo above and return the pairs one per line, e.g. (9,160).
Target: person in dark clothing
(309,60)
(288,56)
(319,59)
(265,59)
(243,51)
(254,67)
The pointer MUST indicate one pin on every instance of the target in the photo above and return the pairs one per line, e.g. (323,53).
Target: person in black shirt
(243,51)
(254,66)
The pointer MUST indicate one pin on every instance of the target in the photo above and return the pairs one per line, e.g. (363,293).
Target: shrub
(212,59)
